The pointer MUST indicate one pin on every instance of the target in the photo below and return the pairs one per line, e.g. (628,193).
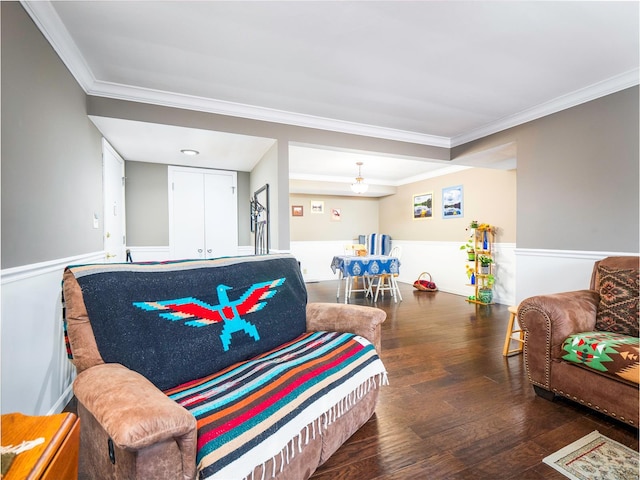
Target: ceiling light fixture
(191,153)
(359,187)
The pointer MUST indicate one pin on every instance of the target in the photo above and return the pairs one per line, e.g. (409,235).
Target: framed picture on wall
(317,206)
(297,211)
(336,214)
(423,205)
(452,202)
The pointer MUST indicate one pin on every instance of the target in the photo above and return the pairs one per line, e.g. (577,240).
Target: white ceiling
(432,72)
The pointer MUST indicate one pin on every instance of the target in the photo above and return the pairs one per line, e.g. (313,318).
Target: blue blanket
(176,321)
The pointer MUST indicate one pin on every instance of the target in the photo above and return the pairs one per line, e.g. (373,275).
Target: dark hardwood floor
(455,407)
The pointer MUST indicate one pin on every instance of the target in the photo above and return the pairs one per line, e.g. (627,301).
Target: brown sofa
(549,320)
(131,429)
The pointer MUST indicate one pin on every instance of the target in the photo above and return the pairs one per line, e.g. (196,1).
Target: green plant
(485,260)
(489,280)
(468,246)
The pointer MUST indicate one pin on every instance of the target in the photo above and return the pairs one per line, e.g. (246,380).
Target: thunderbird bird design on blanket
(229,312)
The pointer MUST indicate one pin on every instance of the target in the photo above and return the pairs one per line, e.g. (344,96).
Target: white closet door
(187,222)
(203,213)
(220,214)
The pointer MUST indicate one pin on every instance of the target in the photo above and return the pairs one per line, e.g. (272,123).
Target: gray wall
(266,172)
(147,204)
(51,152)
(577,180)
(244,209)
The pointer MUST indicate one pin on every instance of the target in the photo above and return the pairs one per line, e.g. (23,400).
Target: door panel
(188,212)
(221,220)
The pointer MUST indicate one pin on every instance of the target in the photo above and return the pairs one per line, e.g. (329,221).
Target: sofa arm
(134,413)
(547,321)
(337,317)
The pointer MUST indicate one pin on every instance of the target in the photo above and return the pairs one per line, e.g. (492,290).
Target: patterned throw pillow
(610,353)
(618,307)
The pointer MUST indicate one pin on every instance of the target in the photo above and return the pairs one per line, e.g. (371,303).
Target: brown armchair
(548,320)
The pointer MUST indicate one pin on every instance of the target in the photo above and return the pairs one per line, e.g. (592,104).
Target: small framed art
(452,202)
(423,205)
(317,206)
(297,211)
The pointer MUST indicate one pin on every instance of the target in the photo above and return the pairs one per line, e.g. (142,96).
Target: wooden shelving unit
(483,238)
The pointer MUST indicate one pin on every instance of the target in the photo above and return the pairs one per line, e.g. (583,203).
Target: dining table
(368,267)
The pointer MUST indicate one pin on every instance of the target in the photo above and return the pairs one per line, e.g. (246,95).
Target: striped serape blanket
(248,413)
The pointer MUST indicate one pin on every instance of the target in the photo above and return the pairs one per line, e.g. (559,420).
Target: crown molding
(222,107)
(47,20)
(586,94)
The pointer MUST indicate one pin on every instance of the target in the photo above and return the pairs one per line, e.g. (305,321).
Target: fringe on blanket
(316,427)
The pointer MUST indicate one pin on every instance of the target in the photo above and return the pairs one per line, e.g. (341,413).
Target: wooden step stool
(510,331)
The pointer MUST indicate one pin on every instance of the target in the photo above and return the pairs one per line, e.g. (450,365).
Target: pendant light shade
(359,186)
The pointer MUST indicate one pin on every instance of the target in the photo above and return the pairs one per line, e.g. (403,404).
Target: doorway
(114,206)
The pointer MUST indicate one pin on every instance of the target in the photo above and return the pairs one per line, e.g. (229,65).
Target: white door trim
(106,213)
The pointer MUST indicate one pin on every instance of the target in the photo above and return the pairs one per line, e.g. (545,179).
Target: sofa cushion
(176,321)
(609,353)
(618,308)
(248,413)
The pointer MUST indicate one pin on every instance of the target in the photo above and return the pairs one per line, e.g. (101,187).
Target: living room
(572,199)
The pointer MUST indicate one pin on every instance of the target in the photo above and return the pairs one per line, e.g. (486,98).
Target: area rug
(595,457)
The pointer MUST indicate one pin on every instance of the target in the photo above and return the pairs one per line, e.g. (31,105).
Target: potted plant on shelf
(471,253)
(485,292)
(485,262)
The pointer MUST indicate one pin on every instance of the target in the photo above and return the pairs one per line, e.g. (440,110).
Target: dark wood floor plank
(456,408)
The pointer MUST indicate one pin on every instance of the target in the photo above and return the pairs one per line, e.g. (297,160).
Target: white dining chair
(354,286)
(388,281)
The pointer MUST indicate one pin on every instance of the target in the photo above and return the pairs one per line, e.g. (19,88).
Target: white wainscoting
(551,271)
(36,374)
(443,260)
(315,258)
